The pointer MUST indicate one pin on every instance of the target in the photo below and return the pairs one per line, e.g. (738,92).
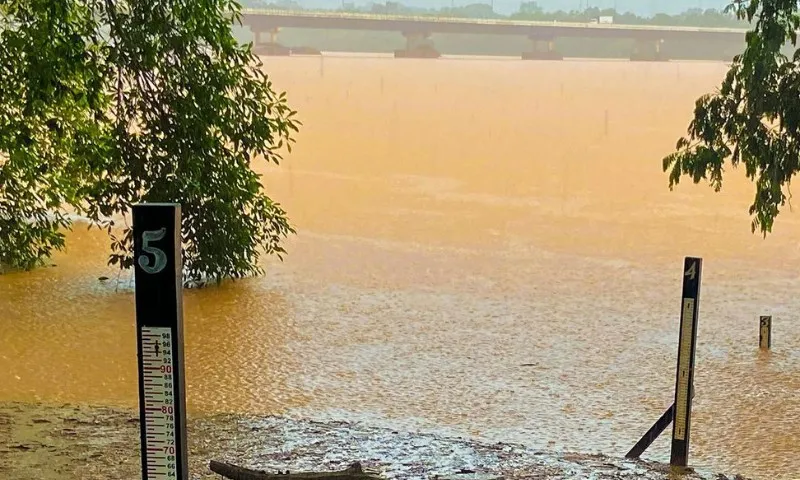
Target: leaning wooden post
(159,331)
(684,377)
(765,332)
(651,435)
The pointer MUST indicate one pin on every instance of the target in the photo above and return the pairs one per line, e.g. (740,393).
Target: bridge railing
(483,21)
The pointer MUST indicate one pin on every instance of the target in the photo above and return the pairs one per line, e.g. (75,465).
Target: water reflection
(239,350)
(66,336)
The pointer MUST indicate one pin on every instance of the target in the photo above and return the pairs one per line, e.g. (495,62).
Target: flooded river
(486,247)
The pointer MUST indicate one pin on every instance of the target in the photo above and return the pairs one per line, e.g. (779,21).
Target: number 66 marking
(158,255)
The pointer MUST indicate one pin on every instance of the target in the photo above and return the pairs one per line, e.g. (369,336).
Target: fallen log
(234,472)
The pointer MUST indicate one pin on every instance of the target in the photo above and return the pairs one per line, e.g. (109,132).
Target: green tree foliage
(107,103)
(273,4)
(754,117)
(47,128)
(530,8)
(694,17)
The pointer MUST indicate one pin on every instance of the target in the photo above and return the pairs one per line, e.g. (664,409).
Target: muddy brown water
(458,219)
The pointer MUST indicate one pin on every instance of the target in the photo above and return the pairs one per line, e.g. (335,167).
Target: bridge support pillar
(418,45)
(544,48)
(270,48)
(648,50)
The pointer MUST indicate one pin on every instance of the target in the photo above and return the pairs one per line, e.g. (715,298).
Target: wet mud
(98,443)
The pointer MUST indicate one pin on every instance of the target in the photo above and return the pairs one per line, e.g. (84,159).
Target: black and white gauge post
(159,331)
(684,378)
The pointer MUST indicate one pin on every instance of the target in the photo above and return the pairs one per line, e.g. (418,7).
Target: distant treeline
(469,44)
(695,17)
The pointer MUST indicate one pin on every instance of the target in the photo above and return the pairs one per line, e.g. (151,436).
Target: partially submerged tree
(754,117)
(106,103)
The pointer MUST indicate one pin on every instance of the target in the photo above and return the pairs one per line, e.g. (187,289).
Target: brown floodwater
(457,219)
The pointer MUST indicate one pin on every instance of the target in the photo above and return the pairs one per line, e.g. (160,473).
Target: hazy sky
(641,7)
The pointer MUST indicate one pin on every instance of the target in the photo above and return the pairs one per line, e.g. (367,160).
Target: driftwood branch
(233,472)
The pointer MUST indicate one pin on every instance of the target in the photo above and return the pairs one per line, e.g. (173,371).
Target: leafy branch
(104,104)
(754,117)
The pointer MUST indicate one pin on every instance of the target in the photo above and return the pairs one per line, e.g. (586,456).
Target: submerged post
(684,377)
(159,332)
(765,332)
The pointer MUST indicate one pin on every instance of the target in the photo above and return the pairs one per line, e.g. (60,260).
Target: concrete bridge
(418,29)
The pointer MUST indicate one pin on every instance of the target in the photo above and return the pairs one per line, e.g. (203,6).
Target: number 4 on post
(691,272)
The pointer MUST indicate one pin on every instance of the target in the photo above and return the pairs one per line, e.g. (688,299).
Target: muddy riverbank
(85,442)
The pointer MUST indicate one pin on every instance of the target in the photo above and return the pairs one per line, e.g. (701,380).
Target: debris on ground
(49,442)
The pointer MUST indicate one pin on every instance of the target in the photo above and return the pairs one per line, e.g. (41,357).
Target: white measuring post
(765,332)
(684,378)
(159,327)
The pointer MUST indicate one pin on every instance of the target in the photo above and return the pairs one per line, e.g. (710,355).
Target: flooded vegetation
(486,249)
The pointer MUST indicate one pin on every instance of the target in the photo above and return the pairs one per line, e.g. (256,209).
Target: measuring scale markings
(159,393)
(685,354)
